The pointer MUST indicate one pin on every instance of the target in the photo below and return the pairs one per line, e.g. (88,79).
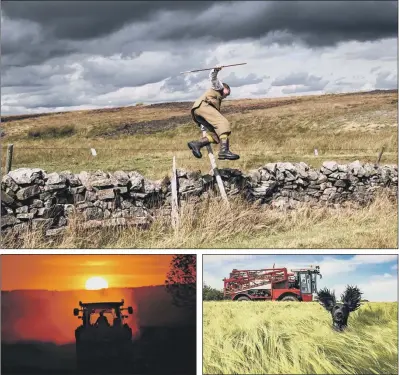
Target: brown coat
(208,107)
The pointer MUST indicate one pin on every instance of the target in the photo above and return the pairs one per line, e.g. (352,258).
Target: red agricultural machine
(274,284)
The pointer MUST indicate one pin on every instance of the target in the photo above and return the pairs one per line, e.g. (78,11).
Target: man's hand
(218,67)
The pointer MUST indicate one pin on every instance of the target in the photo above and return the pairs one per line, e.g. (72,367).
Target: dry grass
(49,131)
(212,225)
(297,338)
(342,127)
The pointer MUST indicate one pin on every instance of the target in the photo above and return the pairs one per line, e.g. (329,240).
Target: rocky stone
(289,176)
(25,216)
(62,221)
(101,183)
(271,167)
(37,203)
(55,187)
(131,195)
(90,196)
(136,181)
(8,199)
(126,204)
(72,179)
(84,205)
(23,176)
(330,166)
(286,166)
(121,177)
(55,231)
(51,212)
(9,220)
(79,198)
(93,213)
(77,190)
(313,175)
(121,190)
(28,192)
(340,183)
(22,210)
(56,179)
(105,194)
(8,182)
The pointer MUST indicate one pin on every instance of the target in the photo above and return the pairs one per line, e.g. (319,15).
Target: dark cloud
(304,88)
(373,51)
(261,91)
(82,52)
(81,20)
(315,23)
(374,69)
(302,82)
(301,78)
(386,80)
(36,75)
(234,81)
(174,84)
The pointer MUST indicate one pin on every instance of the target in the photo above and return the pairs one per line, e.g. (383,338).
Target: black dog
(340,311)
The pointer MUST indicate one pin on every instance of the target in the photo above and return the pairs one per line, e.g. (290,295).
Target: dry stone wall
(32,198)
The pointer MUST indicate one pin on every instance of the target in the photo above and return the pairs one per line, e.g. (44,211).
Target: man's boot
(195,146)
(225,153)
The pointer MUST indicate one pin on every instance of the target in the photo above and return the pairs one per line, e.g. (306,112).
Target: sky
(70,272)
(375,275)
(63,55)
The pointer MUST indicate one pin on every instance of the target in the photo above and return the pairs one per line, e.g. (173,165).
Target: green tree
(211,294)
(181,280)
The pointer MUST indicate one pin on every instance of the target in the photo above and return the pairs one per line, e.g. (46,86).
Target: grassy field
(342,127)
(297,338)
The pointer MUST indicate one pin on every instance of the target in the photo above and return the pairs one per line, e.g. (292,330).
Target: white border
(199,253)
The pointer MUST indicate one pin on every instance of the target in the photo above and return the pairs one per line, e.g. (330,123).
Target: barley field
(297,338)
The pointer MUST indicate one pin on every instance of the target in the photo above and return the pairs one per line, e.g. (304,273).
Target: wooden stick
(175,203)
(380,156)
(10,150)
(215,169)
(202,70)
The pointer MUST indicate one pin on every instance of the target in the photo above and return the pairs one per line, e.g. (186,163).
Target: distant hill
(41,315)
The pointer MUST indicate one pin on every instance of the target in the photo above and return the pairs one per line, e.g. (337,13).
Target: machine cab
(308,284)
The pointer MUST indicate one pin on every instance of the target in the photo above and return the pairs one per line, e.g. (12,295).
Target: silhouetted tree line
(181,281)
(212,294)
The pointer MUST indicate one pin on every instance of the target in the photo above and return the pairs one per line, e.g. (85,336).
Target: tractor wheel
(289,299)
(243,299)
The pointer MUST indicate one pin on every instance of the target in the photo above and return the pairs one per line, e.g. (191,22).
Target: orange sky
(67,272)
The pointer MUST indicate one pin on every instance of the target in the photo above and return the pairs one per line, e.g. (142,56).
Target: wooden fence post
(380,156)
(215,169)
(10,150)
(175,202)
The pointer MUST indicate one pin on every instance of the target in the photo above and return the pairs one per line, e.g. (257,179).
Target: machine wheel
(289,298)
(243,299)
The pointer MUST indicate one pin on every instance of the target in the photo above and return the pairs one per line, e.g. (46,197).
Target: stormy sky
(66,55)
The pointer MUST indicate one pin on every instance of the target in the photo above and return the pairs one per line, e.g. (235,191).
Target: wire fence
(182,149)
(146,159)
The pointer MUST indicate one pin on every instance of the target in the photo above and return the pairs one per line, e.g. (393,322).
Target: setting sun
(95,283)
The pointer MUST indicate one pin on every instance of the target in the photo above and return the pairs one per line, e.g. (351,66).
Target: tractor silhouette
(103,340)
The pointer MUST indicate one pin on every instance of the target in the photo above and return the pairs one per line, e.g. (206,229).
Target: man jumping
(206,112)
